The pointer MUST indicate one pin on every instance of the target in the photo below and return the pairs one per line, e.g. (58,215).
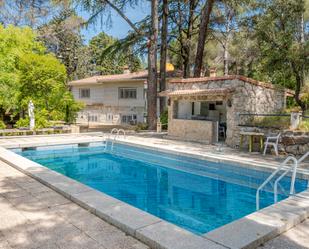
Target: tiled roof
(230,77)
(142,75)
(125,77)
(197,92)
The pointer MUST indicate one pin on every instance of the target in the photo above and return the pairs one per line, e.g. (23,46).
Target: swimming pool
(194,194)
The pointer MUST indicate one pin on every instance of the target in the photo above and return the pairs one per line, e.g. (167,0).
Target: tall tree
(152,67)
(183,15)
(284,53)
(98,7)
(29,12)
(163,51)
(27,72)
(111,63)
(228,15)
(205,17)
(62,37)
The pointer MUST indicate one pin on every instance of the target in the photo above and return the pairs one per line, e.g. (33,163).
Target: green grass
(304,125)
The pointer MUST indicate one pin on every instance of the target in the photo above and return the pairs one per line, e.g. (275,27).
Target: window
(128,119)
(212,107)
(93,118)
(84,93)
(127,93)
(192,109)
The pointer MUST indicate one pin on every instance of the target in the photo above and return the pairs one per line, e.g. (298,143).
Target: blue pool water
(194,194)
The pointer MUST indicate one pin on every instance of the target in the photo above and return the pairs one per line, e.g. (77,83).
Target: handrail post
(303,157)
(292,188)
(276,182)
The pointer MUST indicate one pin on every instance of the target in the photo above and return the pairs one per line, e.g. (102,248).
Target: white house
(111,99)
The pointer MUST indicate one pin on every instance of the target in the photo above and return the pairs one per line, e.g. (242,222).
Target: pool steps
(292,167)
(114,134)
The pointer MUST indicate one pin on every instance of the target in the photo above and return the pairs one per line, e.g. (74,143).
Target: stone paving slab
(295,238)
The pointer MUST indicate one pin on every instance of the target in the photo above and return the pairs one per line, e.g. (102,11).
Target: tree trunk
(180,23)
(299,83)
(187,45)
(225,59)
(227,40)
(152,68)
(163,53)
(302,29)
(205,16)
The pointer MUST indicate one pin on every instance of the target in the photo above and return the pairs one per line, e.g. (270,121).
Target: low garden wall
(291,142)
(295,142)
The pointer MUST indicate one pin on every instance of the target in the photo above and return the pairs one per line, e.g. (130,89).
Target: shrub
(22,122)
(2,125)
(164,119)
(304,125)
(41,120)
(141,127)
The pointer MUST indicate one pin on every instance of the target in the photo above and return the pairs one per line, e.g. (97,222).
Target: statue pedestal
(32,124)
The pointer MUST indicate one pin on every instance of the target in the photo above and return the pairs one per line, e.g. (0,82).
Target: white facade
(121,102)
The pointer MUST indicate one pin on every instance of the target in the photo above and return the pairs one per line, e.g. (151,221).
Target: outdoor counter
(203,131)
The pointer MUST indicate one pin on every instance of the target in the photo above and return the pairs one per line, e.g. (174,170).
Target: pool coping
(247,232)
(216,158)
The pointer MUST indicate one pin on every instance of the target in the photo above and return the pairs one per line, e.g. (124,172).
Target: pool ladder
(114,134)
(290,167)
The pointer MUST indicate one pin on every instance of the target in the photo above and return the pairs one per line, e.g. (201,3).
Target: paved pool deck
(24,227)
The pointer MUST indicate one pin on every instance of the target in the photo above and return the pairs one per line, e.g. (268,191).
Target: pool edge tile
(127,217)
(164,235)
(93,200)
(261,226)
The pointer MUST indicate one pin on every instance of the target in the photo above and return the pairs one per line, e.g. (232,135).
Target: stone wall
(296,143)
(251,99)
(291,142)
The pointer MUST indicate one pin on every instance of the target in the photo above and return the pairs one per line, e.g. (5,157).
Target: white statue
(31,115)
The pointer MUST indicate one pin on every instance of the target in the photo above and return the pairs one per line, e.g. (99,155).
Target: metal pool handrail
(292,190)
(284,163)
(121,131)
(292,187)
(116,132)
(303,157)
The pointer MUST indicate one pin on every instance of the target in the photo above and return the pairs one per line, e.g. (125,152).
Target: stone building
(201,108)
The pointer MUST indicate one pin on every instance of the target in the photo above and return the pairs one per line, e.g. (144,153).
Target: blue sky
(115,25)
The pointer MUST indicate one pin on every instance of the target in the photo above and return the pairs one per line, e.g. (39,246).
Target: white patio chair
(272,141)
